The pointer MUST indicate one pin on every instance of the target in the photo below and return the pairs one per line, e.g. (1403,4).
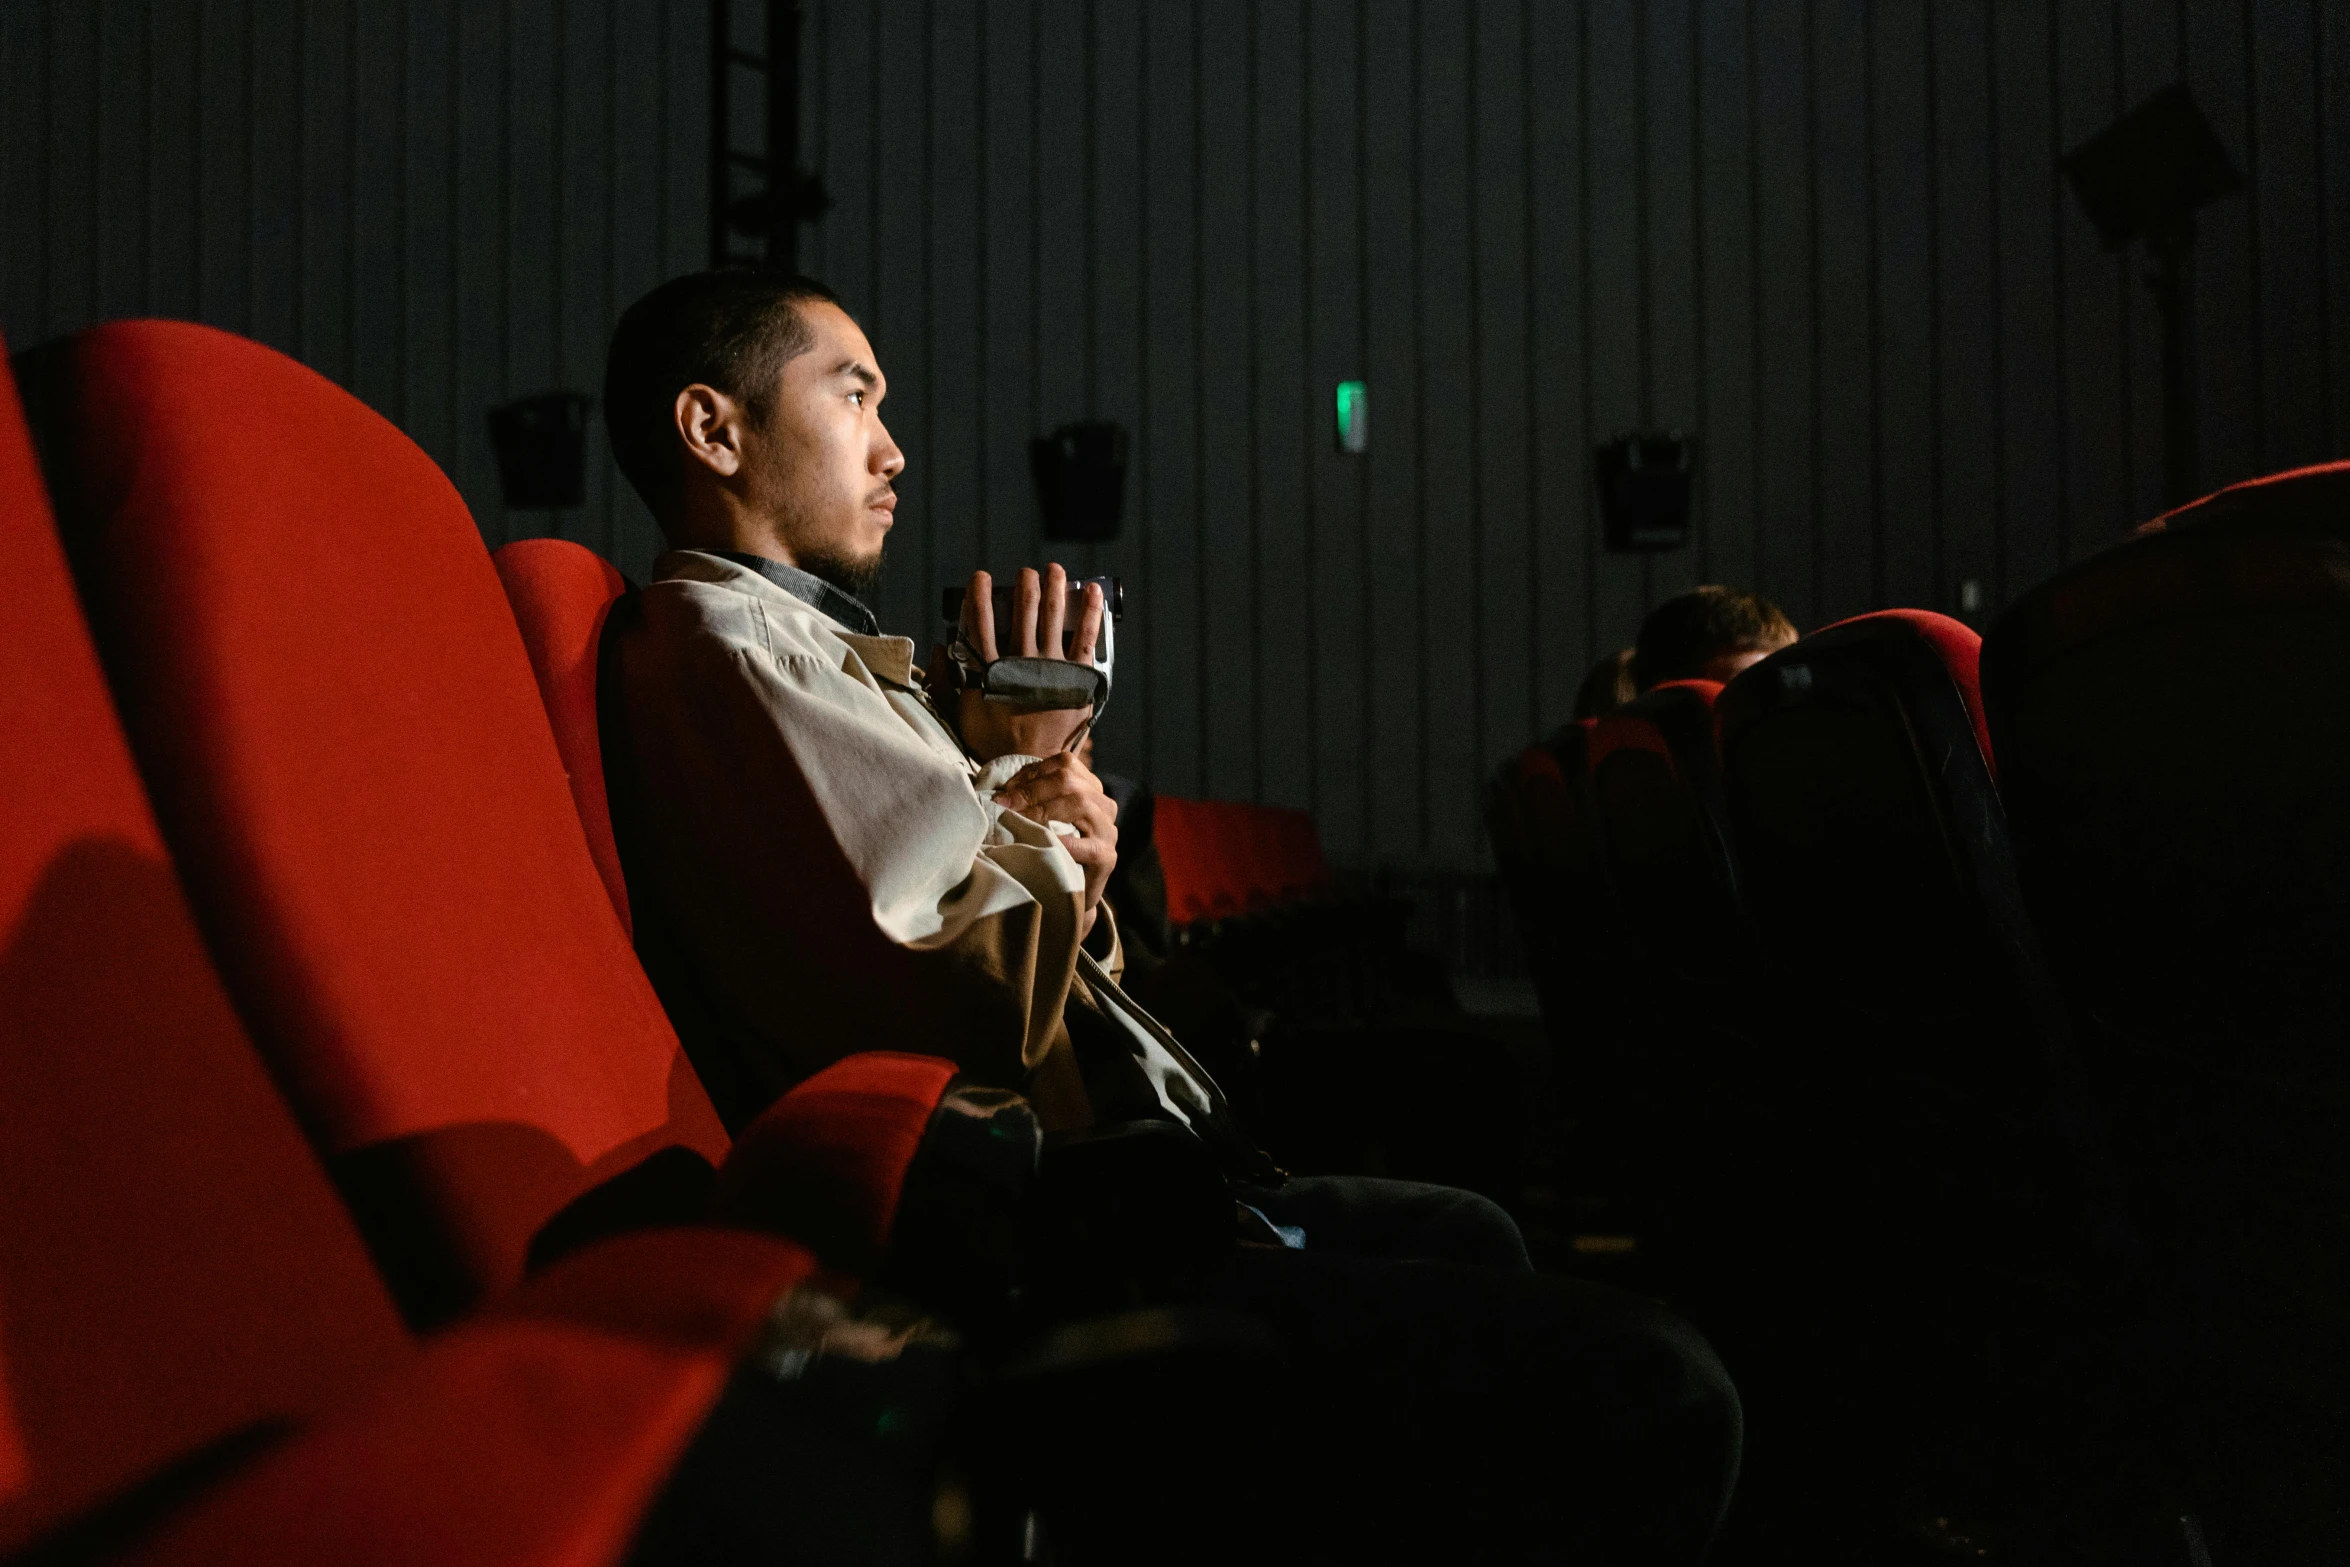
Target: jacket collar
(810,589)
(891,659)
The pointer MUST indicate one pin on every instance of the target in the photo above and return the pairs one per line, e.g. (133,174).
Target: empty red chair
(328,697)
(1179,830)
(561,594)
(1656,794)
(196,1358)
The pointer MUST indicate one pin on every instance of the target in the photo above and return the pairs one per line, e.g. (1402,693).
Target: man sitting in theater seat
(837,854)
(1708,633)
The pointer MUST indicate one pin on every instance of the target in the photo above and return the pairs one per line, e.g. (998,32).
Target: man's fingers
(1024,610)
(1054,620)
(1089,625)
(979,615)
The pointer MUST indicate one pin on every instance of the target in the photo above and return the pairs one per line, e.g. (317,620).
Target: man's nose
(891,462)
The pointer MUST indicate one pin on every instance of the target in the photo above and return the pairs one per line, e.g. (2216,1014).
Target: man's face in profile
(820,463)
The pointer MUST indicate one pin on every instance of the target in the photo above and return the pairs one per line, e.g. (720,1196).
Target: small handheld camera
(1038,683)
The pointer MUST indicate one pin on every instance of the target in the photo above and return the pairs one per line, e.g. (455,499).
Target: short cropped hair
(733,330)
(1682,635)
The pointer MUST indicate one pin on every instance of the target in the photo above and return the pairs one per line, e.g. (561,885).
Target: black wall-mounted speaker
(1080,481)
(2147,172)
(1644,486)
(541,442)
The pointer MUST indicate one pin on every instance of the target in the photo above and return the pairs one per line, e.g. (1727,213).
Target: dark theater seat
(1874,858)
(2174,742)
(1540,817)
(333,710)
(1656,791)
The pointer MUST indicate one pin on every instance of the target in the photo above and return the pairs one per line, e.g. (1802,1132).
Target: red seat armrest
(826,1164)
(515,1441)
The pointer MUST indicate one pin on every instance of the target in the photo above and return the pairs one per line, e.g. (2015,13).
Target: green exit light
(1354,417)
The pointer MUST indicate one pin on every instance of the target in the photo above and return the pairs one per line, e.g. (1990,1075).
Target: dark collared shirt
(810,590)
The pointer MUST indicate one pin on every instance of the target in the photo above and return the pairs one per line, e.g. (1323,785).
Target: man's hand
(1063,789)
(1039,628)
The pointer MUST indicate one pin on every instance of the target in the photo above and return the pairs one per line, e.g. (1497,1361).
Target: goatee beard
(856,578)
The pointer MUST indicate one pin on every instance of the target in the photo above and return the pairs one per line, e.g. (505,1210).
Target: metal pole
(2173,282)
(783,135)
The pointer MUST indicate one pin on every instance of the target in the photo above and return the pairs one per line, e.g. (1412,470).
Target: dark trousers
(1456,1407)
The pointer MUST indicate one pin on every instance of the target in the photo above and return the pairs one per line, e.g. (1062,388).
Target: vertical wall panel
(1965,412)
(1451,525)
(1226,256)
(1118,333)
(1845,302)
(1904,271)
(1390,120)
(1556,271)
(2291,282)
(1826,237)
(1725,198)
(947,441)
(1279,312)
(1615,289)
(1505,648)
(1786,259)
(1168,454)
(2146,47)
(2233,407)
(1337,659)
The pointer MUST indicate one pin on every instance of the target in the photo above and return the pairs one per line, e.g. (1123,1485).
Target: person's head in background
(1609,686)
(1708,633)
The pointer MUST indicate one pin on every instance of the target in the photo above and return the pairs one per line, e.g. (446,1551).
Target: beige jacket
(820,868)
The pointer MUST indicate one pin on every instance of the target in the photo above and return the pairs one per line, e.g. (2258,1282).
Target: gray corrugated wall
(439,203)
(1825,236)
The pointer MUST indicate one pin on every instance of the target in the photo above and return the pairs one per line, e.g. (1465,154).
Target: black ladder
(758,195)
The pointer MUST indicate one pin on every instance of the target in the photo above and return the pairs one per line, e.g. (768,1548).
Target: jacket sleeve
(836,878)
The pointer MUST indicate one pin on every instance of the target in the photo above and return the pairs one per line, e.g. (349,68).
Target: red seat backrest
(2315,498)
(1176,835)
(561,594)
(1223,858)
(1655,789)
(174,1268)
(336,718)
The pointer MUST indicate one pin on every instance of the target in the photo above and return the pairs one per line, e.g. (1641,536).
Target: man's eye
(858,398)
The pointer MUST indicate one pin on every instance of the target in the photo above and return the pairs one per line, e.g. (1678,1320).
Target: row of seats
(360,1203)
(2043,926)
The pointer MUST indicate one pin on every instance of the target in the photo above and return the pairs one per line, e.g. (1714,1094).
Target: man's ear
(710,424)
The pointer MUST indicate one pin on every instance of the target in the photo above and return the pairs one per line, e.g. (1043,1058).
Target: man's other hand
(1039,629)
(1063,789)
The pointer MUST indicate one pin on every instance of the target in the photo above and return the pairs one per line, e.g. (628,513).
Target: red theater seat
(333,710)
(2314,499)
(1557,886)
(1192,858)
(196,1358)
(561,594)
(1656,794)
